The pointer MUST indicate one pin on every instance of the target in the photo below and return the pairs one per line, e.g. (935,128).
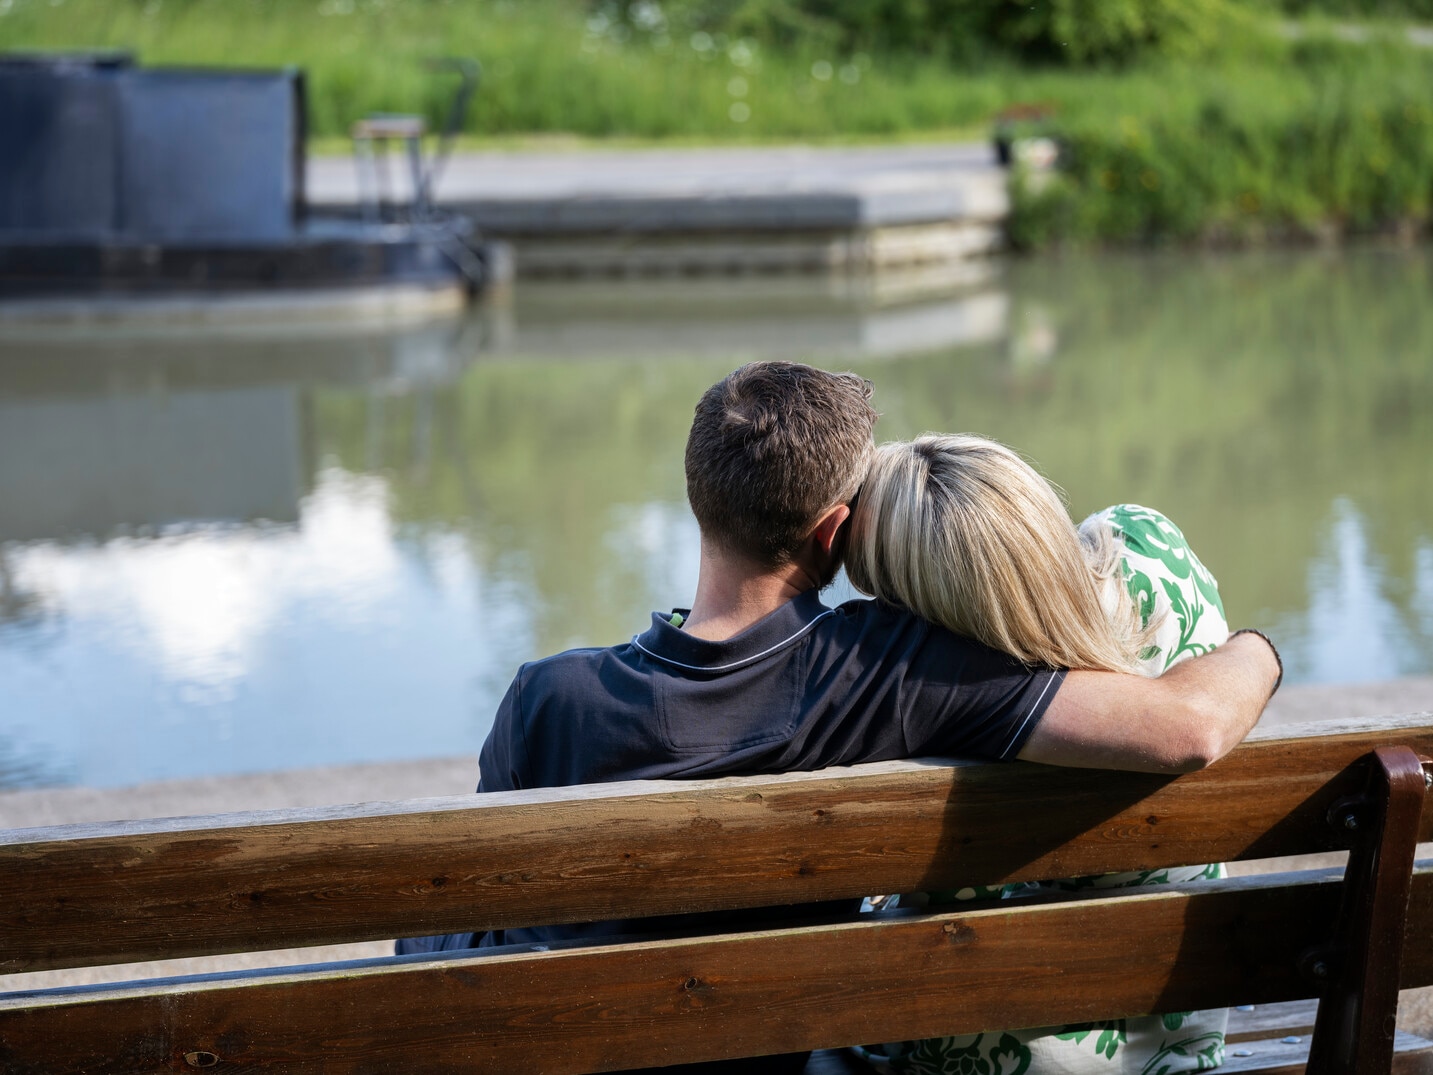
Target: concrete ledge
(788,209)
(727,187)
(279,790)
(756,252)
(1326,701)
(399,302)
(895,200)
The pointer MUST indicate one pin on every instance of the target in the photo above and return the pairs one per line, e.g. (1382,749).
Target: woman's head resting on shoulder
(964,533)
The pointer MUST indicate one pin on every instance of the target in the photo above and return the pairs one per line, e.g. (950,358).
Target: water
(273,547)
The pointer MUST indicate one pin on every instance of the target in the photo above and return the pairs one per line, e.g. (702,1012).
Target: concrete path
(1416,35)
(780,188)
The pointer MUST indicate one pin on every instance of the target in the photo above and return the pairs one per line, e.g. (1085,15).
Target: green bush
(1318,149)
(1086,31)
(1062,31)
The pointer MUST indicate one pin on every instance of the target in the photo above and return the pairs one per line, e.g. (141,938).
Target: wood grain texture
(606,1008)
(77,895)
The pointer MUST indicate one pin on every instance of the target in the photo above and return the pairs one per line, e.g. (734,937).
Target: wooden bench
(99,894)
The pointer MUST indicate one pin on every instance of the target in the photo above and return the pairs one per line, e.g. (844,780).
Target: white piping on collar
(734,664)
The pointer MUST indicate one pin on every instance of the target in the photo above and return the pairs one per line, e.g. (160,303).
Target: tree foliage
(1063,31)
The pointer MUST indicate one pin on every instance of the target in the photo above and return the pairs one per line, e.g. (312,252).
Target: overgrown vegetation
(1176,119)
(963,31)
(1338,139)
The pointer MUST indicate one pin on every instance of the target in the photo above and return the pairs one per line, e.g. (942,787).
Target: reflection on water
(273,548)
(1354,618)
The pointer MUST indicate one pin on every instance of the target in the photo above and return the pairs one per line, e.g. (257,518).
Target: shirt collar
(767,637)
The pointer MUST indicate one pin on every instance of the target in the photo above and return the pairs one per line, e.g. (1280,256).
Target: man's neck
(733,594)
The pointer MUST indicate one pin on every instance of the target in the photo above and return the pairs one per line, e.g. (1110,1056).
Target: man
(760,676)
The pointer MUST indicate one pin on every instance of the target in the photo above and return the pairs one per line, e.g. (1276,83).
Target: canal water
(269,546)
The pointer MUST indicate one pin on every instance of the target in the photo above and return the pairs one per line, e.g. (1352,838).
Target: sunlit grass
(547,67)
(552,66)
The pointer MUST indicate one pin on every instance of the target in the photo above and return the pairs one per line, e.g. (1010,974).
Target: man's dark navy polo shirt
(806,687)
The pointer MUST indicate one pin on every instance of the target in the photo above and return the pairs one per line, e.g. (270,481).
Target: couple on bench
(999,630)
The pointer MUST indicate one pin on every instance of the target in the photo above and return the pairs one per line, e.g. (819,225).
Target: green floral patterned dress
(1166,580)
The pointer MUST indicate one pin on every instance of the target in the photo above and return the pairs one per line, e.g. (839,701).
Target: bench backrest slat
(95,894)
(585,1009)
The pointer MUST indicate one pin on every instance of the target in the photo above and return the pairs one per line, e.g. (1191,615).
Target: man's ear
(828,528)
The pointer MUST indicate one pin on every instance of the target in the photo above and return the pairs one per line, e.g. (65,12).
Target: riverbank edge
(391,781)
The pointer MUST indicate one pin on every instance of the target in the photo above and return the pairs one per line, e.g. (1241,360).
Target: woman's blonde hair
(963,532)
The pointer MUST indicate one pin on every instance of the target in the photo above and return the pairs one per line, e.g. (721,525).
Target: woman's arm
(1184,720)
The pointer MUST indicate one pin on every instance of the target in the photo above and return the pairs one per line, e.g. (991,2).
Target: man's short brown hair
(773,446)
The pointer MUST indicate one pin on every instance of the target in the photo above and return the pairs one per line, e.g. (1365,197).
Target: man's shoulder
(864,615)
(578,656)
(569,663)
(576,717)
(864,608)
(888,637)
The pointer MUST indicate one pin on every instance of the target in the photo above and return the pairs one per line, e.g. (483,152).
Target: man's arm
(1184,720)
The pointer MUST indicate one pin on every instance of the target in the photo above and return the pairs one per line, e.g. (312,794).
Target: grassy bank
(1336,139)
(1259,137)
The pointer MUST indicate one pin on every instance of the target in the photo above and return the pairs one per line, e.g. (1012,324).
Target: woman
(965,533)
